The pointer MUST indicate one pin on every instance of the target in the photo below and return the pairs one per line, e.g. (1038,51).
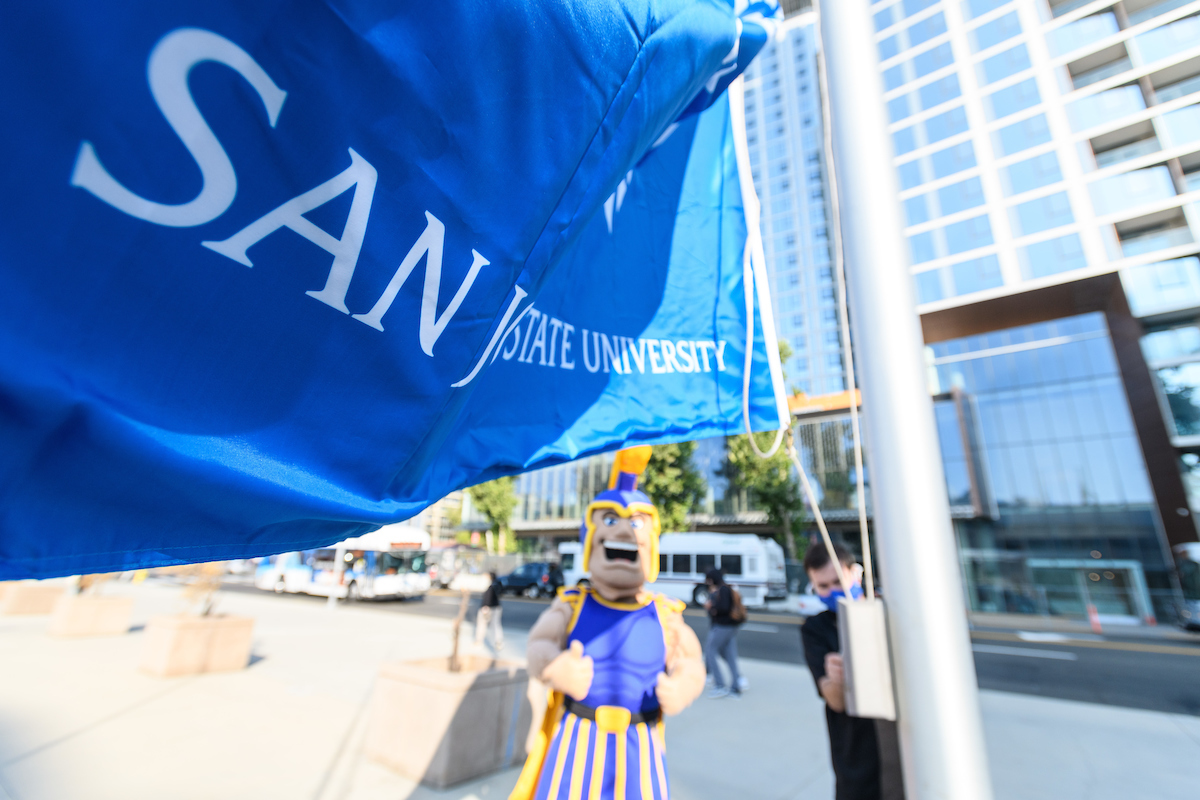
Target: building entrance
(1115,588)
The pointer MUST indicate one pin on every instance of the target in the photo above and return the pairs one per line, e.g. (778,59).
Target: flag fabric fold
(278,273)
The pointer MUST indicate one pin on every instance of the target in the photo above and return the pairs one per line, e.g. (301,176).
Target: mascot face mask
(621,528)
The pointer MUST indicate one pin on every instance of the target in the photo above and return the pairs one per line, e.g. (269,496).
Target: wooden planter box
(186,645)
(24,598)
(91,615)
(442,727)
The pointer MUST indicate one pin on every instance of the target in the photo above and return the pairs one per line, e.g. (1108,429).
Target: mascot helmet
(623,497)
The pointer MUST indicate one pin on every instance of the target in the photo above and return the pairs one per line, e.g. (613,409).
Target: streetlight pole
(941,733)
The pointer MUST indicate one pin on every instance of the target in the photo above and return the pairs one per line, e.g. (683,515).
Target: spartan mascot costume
(616,658)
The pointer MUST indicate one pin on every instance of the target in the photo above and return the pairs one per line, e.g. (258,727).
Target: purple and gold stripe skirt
(589,761)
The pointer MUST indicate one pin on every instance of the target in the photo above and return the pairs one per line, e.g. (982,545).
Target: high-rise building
(1048,155)
(785,137)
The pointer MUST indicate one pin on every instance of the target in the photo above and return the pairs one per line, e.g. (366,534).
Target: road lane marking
(1135,647)
(1028,652)
(758,627)
(1048,636)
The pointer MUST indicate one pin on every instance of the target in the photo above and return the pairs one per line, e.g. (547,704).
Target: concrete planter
(187,645)
(91,615)
(26,598)
(442,727)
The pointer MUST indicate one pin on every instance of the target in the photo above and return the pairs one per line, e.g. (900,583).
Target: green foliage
(496,501)
(771,481)
(785,354)
(673,483)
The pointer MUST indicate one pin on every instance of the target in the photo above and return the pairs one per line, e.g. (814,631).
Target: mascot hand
(674,693)
(570,672)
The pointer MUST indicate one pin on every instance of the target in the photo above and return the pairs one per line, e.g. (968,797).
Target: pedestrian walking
(725,614)
(489,615)
(865,752)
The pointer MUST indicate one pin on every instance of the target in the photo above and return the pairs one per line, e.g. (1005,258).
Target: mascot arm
(548,637)
(565,670)
(684,679)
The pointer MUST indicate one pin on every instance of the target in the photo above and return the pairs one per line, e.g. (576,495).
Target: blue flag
(277,273)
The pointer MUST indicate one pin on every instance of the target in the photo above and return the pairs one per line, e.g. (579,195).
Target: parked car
(536,579)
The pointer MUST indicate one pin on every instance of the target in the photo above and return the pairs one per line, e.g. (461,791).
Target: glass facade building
(1067,516)
(1042,144)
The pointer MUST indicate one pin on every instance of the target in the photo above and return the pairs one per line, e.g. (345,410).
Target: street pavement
(1156,669)
(77,720)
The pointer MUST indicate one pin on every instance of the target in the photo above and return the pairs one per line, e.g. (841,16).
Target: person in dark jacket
(865,752)
(489,615)
(722,636)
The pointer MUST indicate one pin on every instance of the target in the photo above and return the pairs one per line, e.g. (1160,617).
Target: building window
(929,286)
(999,67)
(921,247)
(904,141)
(1022,135)
(952,159)
(945,125)
(1131,189)
(933,60)
(976,275)
(960,196)
(910,175)
(1082,32)
(993,33)
(1051,257)
(1168,40)
(1097,109)
(1010,100)
(1032,173)
(916,210)
(940,91)
(968,235)
(1042,214)
(977,8)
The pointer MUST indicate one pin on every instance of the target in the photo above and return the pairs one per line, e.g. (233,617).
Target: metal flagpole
(941,735)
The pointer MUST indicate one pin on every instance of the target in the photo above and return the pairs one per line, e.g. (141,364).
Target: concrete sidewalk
(77,720)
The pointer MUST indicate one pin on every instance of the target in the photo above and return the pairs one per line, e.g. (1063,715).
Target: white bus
(570,561)
(752,565)
(387,563)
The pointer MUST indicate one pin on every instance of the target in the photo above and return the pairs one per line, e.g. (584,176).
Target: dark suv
(537,579)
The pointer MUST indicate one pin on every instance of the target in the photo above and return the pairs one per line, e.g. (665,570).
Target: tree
(771,481)
(496,501)
(673,483)
(785,355)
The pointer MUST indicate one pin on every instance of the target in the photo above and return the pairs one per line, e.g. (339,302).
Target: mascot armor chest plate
(628,649)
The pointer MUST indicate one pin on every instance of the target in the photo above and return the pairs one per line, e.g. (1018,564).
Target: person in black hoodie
(865,752)
(489,614)
(722,636)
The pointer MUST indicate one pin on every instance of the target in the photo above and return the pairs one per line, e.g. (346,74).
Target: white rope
(844,319)
(811,497)
(748,283)
(754,277)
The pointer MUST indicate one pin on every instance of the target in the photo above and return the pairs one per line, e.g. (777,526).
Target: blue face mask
(831,600)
